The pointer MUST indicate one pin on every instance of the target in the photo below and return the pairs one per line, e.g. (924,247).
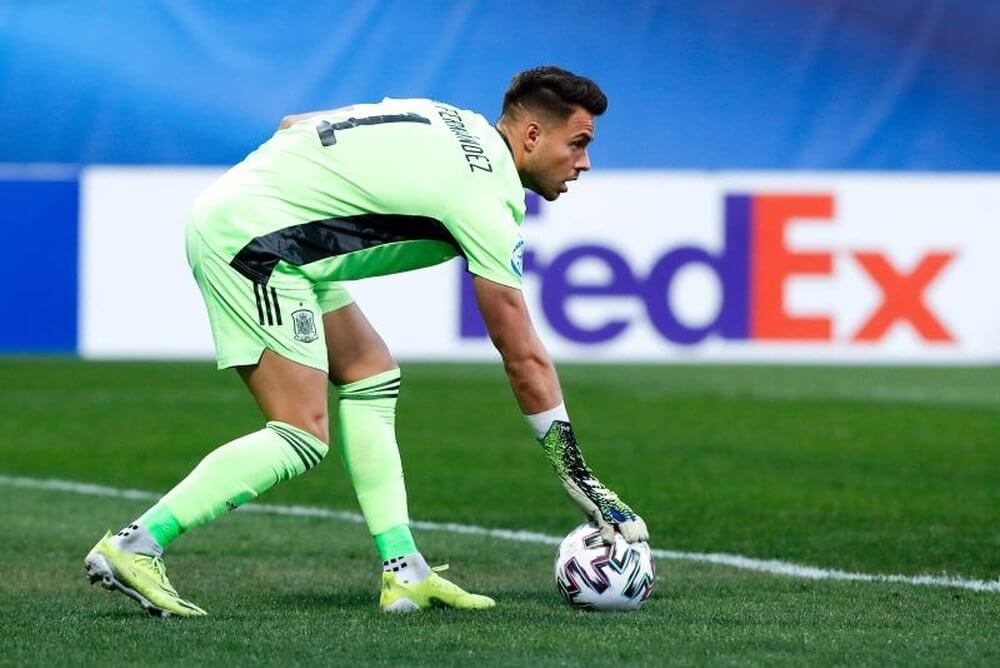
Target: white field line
(773,567)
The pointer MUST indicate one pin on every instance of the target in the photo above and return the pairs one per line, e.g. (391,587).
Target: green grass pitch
(877,470)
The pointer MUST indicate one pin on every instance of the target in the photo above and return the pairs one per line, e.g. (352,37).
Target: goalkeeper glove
(597,501)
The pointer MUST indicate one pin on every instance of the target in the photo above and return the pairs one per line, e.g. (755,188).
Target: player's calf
(130,561)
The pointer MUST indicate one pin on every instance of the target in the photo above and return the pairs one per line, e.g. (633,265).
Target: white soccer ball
(596,576)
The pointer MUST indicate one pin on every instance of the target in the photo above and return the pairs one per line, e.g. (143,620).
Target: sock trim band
(386,381)
(306,461)
(306,452)
(307,456)
(384,385)
(370,397)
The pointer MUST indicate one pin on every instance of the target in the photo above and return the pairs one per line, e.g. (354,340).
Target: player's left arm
(535,384)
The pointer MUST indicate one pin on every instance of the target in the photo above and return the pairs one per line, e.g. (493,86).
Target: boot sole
(99,571)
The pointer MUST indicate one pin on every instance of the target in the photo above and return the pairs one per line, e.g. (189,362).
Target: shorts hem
(248,360)
(324,310)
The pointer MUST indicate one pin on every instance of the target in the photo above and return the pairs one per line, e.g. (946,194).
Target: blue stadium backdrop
(900,90)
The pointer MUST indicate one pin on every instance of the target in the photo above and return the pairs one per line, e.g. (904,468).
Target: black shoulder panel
(317,240)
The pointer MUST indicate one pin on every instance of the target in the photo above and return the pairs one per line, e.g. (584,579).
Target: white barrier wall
(639,266)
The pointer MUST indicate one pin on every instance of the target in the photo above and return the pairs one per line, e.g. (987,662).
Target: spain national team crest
(517,258)
(304,326)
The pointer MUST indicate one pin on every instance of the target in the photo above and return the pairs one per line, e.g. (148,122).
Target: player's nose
(583,164)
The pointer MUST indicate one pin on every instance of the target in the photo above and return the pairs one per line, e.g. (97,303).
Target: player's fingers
(634,531)
(607,532)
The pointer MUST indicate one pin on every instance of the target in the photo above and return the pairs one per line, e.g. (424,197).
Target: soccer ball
(596,576)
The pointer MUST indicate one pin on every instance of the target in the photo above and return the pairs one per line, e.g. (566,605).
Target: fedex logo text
(753,268)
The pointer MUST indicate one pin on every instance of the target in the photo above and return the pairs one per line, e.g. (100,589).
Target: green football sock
(396,542)
(230,476)
(367,425)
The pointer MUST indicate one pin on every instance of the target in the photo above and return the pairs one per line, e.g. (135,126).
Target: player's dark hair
(554,91)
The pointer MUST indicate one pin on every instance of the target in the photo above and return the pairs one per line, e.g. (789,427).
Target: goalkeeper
(346,194)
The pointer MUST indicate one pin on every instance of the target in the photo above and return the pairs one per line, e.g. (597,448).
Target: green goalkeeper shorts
(247,317)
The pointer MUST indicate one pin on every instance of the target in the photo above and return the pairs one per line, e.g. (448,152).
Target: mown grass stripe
(768,566)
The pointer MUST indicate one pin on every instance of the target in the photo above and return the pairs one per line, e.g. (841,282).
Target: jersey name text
(475,156)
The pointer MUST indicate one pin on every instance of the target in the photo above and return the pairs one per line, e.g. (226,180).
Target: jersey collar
(505,141)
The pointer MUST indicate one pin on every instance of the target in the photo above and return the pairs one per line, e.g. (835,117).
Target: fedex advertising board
(646,266)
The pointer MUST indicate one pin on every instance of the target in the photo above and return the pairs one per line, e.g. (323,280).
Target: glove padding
(615,514)
(598,502)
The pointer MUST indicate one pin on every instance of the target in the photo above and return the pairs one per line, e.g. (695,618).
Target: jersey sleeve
(490,239)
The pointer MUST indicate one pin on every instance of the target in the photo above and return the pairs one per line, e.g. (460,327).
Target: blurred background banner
(785,180)
(740,266)
(724,84)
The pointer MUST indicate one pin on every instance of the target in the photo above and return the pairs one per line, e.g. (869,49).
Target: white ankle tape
(540,422)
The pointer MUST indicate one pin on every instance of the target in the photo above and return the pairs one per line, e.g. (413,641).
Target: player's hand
(609,512)
(598,502)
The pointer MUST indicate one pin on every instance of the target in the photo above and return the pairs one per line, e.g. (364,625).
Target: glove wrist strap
(541,422)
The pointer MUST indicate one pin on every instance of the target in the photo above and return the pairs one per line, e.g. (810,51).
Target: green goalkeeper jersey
(370,190)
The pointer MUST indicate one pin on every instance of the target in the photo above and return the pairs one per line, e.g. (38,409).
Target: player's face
(560,153)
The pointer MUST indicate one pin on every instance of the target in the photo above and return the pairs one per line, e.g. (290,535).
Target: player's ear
(532,133)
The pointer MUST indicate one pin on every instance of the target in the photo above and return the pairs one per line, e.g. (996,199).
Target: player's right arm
(535,384)
(529,369)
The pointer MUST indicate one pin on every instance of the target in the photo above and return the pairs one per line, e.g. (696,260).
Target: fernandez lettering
(475,156)
(753,267)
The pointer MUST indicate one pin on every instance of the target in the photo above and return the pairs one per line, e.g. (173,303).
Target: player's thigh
(273,333)
(289,392)
(248,318)
(354,349)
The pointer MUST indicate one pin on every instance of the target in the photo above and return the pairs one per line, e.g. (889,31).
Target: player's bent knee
(315,424)
(307,446)
(318,424)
